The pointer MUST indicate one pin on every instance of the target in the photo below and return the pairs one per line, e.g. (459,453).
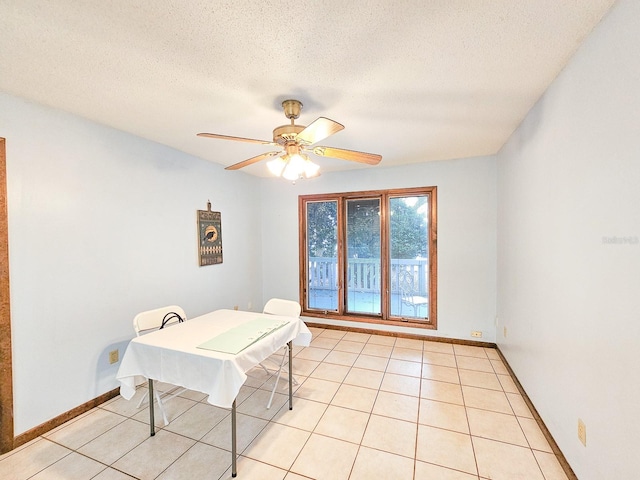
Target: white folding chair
(151,320)
(289,308)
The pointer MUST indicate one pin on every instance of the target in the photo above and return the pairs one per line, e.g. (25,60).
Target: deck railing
(363,274)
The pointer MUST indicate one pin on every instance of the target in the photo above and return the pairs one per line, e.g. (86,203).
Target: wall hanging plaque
(209,236)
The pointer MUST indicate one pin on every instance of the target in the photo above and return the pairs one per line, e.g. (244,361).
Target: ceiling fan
(296,141)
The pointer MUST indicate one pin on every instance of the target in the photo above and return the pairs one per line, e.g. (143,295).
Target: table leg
(234,471)
(152,424)
(290,375)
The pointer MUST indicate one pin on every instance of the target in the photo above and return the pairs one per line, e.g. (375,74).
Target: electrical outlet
(582,432)
(114,356)
(249,305)
(505,332)
(476,334)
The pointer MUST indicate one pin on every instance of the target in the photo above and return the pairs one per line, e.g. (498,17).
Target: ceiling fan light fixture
(311,169)
(276,166)
(294,168)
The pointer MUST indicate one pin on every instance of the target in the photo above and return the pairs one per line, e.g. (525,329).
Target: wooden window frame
(384,195)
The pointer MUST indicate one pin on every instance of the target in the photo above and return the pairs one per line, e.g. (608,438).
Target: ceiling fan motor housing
(286,133)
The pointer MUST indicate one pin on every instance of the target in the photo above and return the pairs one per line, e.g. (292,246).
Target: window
(370,256)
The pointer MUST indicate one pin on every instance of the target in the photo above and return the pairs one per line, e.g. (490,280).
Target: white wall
(466,237)
(102,225)
(569,181)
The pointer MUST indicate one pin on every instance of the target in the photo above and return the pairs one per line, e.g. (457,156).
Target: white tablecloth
(172,355)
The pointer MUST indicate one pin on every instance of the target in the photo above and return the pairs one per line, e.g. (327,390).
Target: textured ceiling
(412,80)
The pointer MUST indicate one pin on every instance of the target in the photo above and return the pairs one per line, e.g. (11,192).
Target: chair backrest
(278,306)
(145,322)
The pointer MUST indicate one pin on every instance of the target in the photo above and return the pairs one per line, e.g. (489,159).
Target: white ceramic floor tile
(329,333)
(390,435)
(474,378)
(357,337)
(356,398)
(317,390)
(401,384)
(550,466)
(347,346)
(508,385)
(154,455)
(371,362)
(277,445)
(404,367)
(247,429)
(305,414)
(117,442)
(198,420)
(382,340)
(250,469)
(429,471)
(202,462)
(312,353)
(439,347)
(535,437)
(394,405)
(30,460)
(372,464)
(324,458)
(454,450)
(518,405)
(377,350)
(502,461)
(441,359)
(331,372)
(469,351)
(341,358)
(408,354)
(80,432)
(173,408)
(111,474)
(440,373)
(256,404)
(343,423)
(486,399)
(322,342)
(412,343)
(473,363)
(364,378)
(441,391)
(443,415)
(74,466)
(496,426)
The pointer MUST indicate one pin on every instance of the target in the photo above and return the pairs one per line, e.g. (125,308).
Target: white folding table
(176,355)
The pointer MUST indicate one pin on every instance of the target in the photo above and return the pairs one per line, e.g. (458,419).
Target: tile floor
(366,407)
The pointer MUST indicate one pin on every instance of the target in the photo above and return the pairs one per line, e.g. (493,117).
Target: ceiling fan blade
(238,139)
(318,130)
(252,160)
(351,155)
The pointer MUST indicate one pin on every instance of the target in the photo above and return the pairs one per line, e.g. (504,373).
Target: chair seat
(417,300)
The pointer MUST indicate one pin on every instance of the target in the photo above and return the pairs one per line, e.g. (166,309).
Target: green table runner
(238,338)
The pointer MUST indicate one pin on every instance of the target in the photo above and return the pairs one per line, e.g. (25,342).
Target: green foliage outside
(408,228)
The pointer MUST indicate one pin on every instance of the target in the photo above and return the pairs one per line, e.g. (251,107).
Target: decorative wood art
(209,236)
